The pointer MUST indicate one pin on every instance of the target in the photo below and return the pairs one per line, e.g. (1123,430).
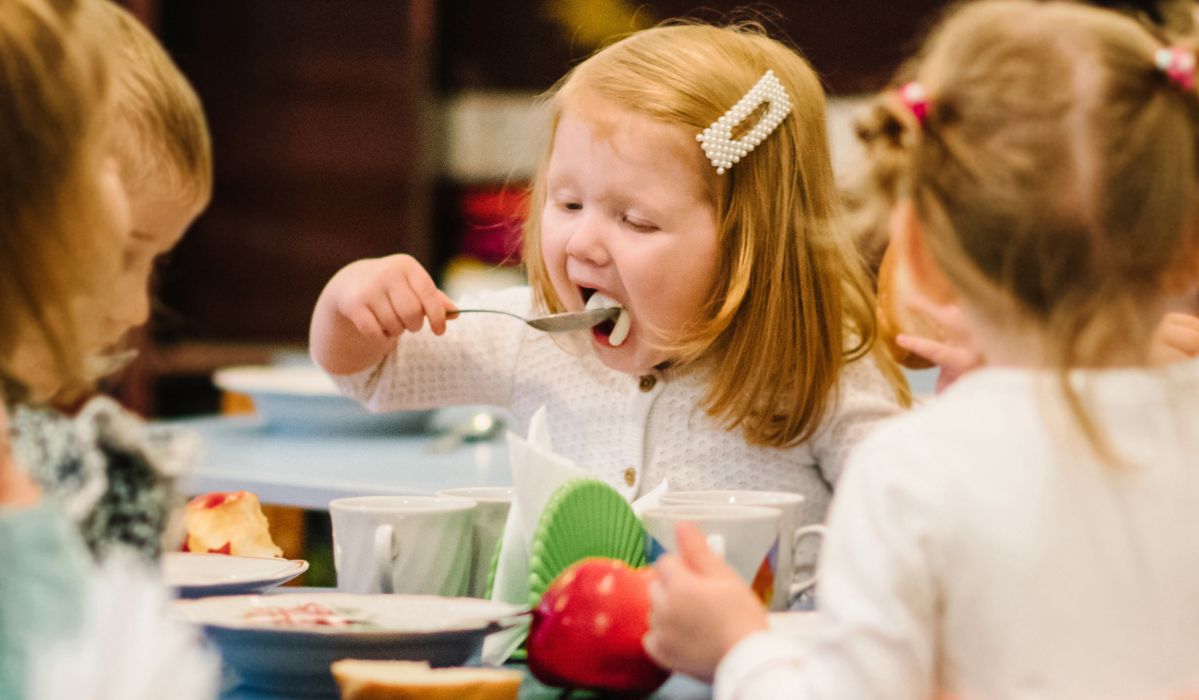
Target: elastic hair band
(717,140)
(1178,64)
(915,99)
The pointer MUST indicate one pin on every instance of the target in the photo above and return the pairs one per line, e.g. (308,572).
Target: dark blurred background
(352,128)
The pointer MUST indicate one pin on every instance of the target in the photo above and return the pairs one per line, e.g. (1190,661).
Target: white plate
(197,575)
(293,659)
(304,398)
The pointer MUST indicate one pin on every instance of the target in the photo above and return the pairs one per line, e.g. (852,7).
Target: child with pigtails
(920,333)
(1029,533)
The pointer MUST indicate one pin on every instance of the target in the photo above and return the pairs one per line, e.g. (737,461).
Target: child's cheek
(115,202)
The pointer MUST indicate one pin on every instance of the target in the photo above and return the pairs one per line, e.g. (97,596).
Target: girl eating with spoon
(687,183)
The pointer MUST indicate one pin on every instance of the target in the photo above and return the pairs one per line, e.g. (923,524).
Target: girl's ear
(907,237)
(1183,277)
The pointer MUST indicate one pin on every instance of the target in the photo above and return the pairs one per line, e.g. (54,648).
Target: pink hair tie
(1178,64)
(915,99)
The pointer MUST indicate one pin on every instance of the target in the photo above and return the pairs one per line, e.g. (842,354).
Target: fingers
(694,551)
(365,322)
(947,315)
(666,625)
(690,612)
(652,643)
(386,297)
(1182,332)
(450,307)
(431,299)
(407,308)
(1175,339)
(955,359)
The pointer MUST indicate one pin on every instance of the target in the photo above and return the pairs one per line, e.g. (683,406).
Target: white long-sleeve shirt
(977,548)
(630,431)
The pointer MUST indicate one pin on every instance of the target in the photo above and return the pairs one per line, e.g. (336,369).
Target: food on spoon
(228,523)
(405,680)
(619,330)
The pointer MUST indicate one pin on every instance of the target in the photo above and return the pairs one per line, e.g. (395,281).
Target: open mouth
(614,332)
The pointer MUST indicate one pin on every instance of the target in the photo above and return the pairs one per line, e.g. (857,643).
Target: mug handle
(808,530)
(383,557)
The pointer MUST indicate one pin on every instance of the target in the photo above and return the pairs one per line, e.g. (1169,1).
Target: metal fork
(554,323)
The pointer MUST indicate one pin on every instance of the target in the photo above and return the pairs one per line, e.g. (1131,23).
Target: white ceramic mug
(746,536)
(491,513)
(786,587)
(402,544)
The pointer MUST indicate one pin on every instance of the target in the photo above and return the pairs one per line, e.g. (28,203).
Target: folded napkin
(649,500)
(537,472)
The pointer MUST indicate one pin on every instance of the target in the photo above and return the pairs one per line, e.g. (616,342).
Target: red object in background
(492,224)
(587,630)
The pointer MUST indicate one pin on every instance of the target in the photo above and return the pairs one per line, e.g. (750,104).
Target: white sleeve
(878,594)
(763,666)
(864,397)
(473,362)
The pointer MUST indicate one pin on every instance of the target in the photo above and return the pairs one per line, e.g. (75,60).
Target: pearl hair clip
(717,140)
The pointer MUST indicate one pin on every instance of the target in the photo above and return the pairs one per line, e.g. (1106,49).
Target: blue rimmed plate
(284,644)
(197,575)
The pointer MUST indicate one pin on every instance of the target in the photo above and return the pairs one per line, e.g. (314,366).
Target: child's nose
(587,241)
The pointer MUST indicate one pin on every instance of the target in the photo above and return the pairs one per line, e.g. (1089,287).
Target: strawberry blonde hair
(1054,175)
(53,85)
(791,304)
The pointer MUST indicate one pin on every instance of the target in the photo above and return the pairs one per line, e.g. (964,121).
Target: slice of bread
(415,680)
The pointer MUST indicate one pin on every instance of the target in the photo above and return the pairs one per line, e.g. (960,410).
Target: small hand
(700,608)
(956,355)
(1175,339)
(384,297)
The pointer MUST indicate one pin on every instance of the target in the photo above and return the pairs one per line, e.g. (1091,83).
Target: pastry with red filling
(229,523)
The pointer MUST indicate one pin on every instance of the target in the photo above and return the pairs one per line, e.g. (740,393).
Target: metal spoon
(555,323)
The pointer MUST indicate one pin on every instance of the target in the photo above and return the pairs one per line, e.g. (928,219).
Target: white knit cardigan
(630,431)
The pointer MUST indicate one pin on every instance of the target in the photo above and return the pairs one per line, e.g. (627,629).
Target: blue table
(309,469)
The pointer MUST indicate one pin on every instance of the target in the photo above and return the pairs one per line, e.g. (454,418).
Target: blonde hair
(1167,18)
(873,187)
(53,84)
(1055,174)
(161,130)
(791,305)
